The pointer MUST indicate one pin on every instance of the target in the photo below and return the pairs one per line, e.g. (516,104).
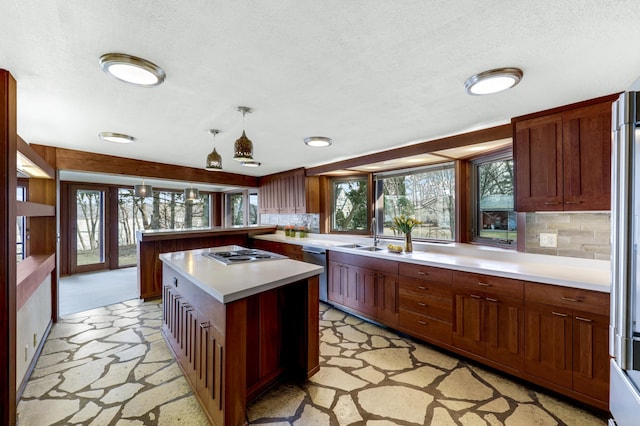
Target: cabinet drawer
(489,284)
(430,273)
(374,263)
(568,297)
(433,306)
(424,326)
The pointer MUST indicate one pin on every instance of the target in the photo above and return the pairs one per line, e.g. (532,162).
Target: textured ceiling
(372,75)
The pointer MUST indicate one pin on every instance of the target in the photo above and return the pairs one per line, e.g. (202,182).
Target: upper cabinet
(563,159)
(289,192)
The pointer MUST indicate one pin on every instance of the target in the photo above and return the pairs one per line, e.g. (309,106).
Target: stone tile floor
(111,366)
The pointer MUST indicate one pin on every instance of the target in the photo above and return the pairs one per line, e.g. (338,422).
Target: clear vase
(408,245)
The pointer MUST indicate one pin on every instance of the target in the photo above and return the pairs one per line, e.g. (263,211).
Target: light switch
(548,240)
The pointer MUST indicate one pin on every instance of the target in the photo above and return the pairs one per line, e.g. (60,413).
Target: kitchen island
(236,329)
(151,243)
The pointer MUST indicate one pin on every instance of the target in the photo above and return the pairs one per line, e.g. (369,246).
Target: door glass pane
(253,209)
(127,227)
(237,210)
(89,227)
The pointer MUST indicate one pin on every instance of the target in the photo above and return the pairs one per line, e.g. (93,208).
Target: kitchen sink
(369,248)
(353,245)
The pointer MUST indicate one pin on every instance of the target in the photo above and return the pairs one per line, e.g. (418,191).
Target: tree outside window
(350,205)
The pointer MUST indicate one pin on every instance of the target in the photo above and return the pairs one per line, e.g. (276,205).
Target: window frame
(349,178)
(474,200)
(245,193)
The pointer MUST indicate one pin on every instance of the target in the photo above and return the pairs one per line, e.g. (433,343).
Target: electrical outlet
(548,240)
(35,339)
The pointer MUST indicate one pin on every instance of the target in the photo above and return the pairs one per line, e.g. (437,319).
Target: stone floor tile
(349,345)
(105,417)
(92,394)
(460,384)
(346,411)
(391,359)
(53,359)
(152,323)
(420,377)
(336,378)
(117,374)
(352,320)
(524,413)
(127,422)
(400,343)
(349,333)
(101,318)
(320,396)
(345,362)
(132,352)
(333,315)
(492,420)
(498,405)
(63,329)
(38,387)
(57,394)
(370,374)
(185,412)
(379,342)
(79,377)
(40,372)
(348,354)
(101,325)
(115,350)
(145,369)
(453,405)
(329,350)
(283,401)
(472,419)
(328,336)
(147,400)
(572,416)
(433,357)
(396,402)
(124,322)
(312,417)
(121,393)
(46,411)
(164,375)
(91,348)
(89,335)
(158,351)
(441,417)
(57,345)
(325,324)
(126,336)
(374,330)
(89,411)
(504,386)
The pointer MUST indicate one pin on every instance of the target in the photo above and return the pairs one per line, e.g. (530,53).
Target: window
(494,216)
(428,194)
(242,208)
(350,205)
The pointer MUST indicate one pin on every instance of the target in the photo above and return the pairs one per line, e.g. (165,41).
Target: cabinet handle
(422,273)
(584,319)
(573,202)
(568,299)
(490,299)
(559,314)
(475,296)
(481,284)
(421,287)
(549,203)
(424,305)
(204,325)
(422,322)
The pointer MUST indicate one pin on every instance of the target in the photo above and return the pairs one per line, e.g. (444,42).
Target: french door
(89,219)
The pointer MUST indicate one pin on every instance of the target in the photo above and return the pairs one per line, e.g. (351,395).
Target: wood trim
(31,272)
(31,209)
(69,159)
(608,98)
(463,202)
(470,138)
(26,150)
(8,181)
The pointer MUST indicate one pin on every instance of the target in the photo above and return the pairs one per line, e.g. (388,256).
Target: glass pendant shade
(191,193)
(214,161)
(142,190)
(243,149)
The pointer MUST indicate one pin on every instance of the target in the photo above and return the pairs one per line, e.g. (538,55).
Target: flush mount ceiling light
(214,160)
(142,190)
(243,148)
(191,193)
(251,163)
(132,69)
(116,137)
(317,141)
(492,81)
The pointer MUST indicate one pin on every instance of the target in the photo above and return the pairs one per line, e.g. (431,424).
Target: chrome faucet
(374,229)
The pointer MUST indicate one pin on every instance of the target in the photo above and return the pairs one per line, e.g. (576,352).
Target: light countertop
(171,234)
(227,283)
(588,274)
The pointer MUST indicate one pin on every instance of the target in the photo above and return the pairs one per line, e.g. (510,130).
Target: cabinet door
(587,158)
(334,291)
(548,343)
(349,279)
(188,345)
(504,330)
(537,153)
(209,370)
(387,298)
(468,332)
(367,281)
(591,355)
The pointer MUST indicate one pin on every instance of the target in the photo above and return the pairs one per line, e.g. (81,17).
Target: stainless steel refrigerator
(624,329)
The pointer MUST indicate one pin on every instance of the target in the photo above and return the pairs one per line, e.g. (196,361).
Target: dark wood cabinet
(292,251)
(489,317)
(567,335)
(563,159)
(289,192)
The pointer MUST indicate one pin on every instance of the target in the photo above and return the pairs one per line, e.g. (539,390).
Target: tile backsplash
(585,235)
(310,220)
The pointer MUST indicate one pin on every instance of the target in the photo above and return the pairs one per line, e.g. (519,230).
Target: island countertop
(228,283)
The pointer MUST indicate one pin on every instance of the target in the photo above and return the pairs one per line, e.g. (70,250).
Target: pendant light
(214,160)
(243,148)
(143,190)
(191,193)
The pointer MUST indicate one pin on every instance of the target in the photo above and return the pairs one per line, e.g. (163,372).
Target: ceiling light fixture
(492,81)
(317,141)
(142,190)
(214,160)
(191,193)
(116,137)
(243,148)
(132,69)
(251,163)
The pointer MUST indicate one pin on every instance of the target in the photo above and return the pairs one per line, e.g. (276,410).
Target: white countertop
(586,274)
(228,283)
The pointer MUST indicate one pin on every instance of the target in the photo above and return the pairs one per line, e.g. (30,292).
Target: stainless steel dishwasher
(317,256)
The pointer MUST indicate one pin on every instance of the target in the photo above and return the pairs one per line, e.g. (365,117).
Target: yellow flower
(405,224)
